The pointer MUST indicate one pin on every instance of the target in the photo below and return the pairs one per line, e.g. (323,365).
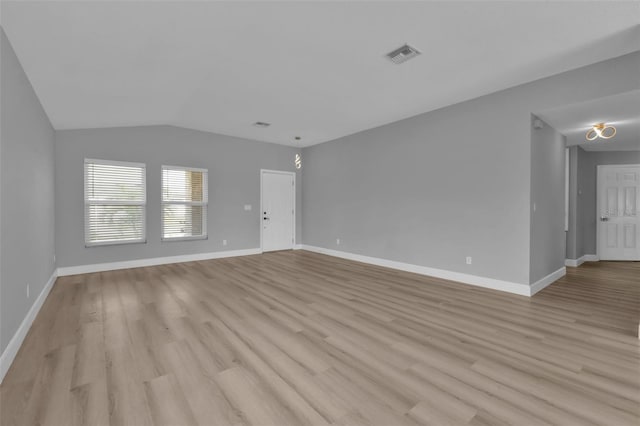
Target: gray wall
(586,204)
(234,180)
(571,241)
(454,182)
(27,189)
(584,190)
(548,238)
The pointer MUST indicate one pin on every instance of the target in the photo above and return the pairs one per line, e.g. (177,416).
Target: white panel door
(278,210)
(618,208)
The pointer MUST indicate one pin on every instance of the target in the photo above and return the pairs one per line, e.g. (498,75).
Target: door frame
(293,188)
(599,169)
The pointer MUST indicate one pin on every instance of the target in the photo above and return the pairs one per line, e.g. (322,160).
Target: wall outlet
(338,241)
(224,242)
(469,259)
(27,290)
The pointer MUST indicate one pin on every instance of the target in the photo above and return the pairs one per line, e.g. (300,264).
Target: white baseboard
(297,247)
(552,277)
(13,347)
(574,263)
(579,261)
(139,263)
(510,287)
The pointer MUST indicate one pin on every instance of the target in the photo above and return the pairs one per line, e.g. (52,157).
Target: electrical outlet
(469,259)
(224,242)
(27,290)
(338,241)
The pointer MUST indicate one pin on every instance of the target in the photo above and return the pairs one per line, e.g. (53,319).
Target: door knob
(265,218)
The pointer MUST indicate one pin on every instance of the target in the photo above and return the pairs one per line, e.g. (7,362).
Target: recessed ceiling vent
(261,124)
(403,54)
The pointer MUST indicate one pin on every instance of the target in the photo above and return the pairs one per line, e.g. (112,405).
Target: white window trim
(142,240)
(205,230)
(116,163)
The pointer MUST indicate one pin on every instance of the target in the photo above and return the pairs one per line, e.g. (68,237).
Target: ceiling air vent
(261,124)
(403,54)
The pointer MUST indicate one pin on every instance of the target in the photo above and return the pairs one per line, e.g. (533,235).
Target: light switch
(247,207)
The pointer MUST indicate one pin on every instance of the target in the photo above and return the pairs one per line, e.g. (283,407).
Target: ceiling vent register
(403,54)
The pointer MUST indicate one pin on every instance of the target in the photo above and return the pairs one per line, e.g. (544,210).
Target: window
(115,199)
(184,203)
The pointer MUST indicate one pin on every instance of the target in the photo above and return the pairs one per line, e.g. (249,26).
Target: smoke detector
(261,124)
(403,54)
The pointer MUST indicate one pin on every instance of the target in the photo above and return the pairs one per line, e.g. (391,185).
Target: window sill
(114,243)
(172,239)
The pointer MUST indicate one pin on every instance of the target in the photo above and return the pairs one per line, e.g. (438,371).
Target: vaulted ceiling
(312,69)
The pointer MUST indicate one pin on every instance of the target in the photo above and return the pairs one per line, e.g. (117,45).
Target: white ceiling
(313,69)
(621,111)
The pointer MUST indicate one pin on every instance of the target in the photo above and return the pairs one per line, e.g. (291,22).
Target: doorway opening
(592,221)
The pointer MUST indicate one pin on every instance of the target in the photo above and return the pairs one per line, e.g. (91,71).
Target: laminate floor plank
(298,338)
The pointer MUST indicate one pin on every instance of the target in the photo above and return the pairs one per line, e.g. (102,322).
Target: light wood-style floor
(295,338)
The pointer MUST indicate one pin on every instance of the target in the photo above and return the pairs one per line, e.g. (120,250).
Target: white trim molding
(579,261)
(544,282)
(574,263)
(139,263)
(15,343)
(476,280)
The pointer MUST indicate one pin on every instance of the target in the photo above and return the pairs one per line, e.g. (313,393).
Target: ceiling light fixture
(298,159)
(601,130)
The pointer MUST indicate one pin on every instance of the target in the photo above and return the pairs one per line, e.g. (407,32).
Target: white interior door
(278,210)
(618,208)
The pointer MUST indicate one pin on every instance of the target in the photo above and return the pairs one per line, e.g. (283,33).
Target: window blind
(114,202)
(184,203)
